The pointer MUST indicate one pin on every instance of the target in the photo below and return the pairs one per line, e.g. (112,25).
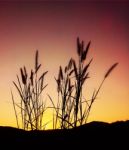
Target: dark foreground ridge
(95,134)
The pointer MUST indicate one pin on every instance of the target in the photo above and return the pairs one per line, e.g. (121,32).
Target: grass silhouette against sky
(52,29)
(71,107)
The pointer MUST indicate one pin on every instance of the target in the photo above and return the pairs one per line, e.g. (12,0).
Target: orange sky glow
(52,28)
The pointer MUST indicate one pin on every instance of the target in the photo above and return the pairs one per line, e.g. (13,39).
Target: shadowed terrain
(95,134)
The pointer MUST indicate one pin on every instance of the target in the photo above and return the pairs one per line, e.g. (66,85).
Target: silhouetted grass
(72,108)
(31,106)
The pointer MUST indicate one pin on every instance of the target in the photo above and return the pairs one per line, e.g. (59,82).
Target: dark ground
(94,135)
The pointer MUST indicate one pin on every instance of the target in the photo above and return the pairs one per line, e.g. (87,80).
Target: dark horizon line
(87,124)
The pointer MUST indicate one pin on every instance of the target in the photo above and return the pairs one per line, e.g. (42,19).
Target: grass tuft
(31,105)
(72,109)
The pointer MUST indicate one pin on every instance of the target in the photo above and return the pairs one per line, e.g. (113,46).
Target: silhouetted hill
(100,135)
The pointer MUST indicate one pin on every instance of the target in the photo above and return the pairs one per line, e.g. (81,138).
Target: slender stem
(15,110)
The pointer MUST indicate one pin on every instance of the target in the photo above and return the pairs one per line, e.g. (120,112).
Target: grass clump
(30,89)
(72,109)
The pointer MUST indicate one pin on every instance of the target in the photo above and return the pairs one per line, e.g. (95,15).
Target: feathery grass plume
(110,70)
(25,72)
(23,76)
(36,60)
(85,52)
(31,106)
(61,73)
(79,48)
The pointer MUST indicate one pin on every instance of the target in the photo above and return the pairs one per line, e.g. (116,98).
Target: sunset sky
(52,28)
